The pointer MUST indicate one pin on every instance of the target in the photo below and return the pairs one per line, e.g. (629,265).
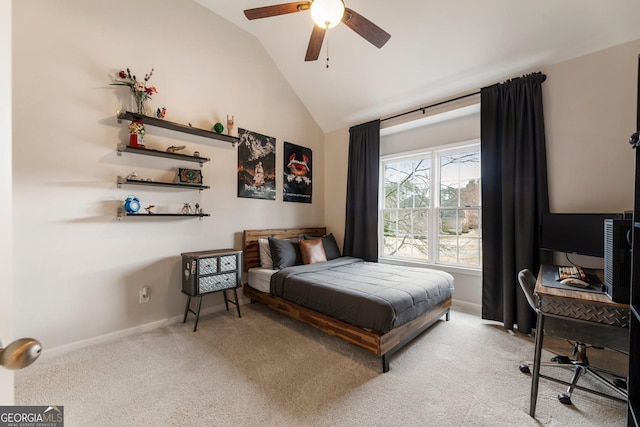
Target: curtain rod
(430,106)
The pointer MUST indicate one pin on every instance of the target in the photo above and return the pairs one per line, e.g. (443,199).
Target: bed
(347,297)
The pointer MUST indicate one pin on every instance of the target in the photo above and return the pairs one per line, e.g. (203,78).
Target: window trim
(434,153)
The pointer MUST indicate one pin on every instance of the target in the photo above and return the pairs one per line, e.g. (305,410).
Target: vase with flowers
(140,90)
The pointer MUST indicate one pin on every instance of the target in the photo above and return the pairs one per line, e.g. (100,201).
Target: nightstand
(206,272)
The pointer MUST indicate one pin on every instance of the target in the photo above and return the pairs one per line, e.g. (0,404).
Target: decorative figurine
(229,124)
(149,209)
(175,148)
(218,127)
(132,176)
(160,112)
(196,154)
(186,209)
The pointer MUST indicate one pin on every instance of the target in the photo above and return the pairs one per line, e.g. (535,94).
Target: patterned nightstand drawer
(228,263)
(217,282)
(208,265)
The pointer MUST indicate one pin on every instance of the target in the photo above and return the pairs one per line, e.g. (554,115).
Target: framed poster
(297,174)
(190,176)
(256,165)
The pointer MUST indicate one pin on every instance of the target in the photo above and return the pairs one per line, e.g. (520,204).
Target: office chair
(579,365)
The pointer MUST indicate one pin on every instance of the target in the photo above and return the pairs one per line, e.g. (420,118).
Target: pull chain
(327,23)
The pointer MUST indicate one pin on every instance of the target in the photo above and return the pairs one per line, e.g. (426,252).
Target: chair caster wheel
(524,368)
(564,398)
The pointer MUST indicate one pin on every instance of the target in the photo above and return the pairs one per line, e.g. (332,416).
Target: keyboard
(571,271)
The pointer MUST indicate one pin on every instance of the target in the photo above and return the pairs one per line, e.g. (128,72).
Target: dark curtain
(361,219)
(514,195)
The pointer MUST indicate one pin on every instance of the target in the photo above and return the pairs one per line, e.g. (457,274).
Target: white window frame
(434,153)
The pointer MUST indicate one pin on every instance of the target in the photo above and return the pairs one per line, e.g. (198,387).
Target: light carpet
(268,370)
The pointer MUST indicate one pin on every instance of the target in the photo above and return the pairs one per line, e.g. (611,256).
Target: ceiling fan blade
(367,29)
(315,43)
(276,9)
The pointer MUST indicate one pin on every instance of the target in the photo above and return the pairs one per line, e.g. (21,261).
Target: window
(431,206)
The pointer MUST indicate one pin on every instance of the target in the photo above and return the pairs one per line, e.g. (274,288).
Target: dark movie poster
(256,166)
(297,174)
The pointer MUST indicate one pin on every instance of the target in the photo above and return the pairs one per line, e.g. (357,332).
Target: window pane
(413,183)
(420,248)
(448,224)
(460,179)
(389,246)
(469,251)
(470,193)
(421,183)
(448,249)
(421,222)
(409,216)
(390,221)
(390,187)
(449,194)
(460,166)
(404,223)
(470,221)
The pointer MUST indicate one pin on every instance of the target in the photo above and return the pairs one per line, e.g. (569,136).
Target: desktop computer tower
(617,259)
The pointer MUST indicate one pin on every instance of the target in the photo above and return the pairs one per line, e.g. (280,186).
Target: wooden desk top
(577,295)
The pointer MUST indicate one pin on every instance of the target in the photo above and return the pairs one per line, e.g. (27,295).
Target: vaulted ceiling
(438,49)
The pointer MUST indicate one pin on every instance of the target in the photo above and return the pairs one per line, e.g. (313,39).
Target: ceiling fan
(326,14)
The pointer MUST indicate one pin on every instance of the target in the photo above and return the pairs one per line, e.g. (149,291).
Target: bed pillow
(285,252)
(331,249)
(312,251)
(265,254)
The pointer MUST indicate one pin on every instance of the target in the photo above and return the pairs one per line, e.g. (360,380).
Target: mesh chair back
(528,283)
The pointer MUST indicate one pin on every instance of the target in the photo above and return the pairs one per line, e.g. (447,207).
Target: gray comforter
(370,295)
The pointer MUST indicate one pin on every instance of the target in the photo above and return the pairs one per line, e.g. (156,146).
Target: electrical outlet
(144,295)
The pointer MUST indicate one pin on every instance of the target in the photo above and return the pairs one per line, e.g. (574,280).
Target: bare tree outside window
(448,231)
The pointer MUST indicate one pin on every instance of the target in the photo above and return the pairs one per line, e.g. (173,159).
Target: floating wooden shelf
(126,181)
(128,115)
(123,148)
(122,213)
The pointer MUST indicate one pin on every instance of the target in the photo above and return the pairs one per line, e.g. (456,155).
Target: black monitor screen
(579,233)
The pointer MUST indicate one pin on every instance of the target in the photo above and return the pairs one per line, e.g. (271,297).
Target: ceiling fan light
(327,13)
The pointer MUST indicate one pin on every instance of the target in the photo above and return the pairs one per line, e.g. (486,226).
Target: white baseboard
(464,306)
(101,339)
(467,307)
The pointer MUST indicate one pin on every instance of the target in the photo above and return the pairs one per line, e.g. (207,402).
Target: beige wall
(6,280)
(77,269)
(590,107)
(590,112)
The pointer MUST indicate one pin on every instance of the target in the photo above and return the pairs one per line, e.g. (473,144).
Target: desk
(580,316)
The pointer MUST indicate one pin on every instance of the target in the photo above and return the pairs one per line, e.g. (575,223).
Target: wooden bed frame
(384,345)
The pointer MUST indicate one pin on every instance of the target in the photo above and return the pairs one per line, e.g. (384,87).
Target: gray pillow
(285,252)
(330,245)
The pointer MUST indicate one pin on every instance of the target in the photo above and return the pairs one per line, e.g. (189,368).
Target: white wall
(6,280)
(590,107)
(77,269)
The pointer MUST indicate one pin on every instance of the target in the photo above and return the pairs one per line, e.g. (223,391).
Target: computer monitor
(577,233)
